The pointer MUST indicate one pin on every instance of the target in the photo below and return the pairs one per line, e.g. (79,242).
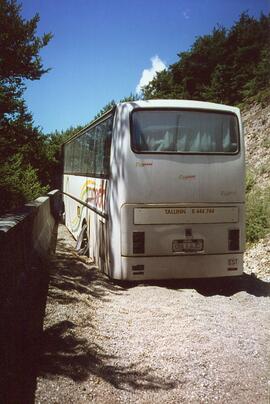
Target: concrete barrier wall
(26,237)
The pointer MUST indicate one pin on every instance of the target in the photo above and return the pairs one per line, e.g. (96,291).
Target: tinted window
(68,157)
(77,155)
(182,131)
(89,153)
(103,146)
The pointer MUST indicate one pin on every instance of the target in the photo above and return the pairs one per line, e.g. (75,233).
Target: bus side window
(84,149)
(70,157)
(76,169)
(67,156)
(107,147)
(90,146)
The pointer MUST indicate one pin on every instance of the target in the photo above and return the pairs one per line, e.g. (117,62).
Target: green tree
(160,87)
(20,58)
(112,104)
(225,66)
(18,183)
(19,61)
(105,109)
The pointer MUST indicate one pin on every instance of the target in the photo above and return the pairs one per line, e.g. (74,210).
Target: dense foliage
(257,209)
(22,148)
(226,66)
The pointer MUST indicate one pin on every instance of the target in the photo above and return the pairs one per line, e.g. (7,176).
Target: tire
(82,245)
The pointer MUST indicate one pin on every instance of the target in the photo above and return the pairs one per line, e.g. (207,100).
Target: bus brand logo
(144,164)
(187,177)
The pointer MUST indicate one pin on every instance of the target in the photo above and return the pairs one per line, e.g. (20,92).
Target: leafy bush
(250,180)
(18,184)
(257,213)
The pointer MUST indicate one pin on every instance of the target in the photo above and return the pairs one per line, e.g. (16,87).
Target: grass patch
(257,209)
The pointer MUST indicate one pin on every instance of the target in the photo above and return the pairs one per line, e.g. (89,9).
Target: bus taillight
(138,242)
(233,239)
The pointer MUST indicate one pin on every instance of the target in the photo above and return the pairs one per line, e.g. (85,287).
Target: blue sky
(103,50)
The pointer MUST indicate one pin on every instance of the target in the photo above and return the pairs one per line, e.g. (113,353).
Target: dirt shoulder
(163,342)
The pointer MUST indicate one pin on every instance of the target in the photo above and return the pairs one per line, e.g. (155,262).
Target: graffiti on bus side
(93,193)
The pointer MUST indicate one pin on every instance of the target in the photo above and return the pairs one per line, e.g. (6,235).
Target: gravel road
(196,341)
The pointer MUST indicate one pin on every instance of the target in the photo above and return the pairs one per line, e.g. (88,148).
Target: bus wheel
(82,246)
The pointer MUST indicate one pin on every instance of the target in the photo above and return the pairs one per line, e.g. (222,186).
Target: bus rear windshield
(184,131)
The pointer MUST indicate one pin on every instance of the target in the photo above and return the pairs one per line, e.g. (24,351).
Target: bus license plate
(187,245)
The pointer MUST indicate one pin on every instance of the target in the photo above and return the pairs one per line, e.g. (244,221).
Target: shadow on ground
(211,286)
(21,322)
(28,352)
(72,275)
(63,352)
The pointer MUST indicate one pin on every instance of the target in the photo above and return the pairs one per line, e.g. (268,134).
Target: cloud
(185,14)
(148,74)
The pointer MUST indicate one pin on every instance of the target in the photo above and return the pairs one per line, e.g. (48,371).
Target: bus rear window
(184,131)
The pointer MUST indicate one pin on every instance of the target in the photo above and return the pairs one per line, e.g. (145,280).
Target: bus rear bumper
(181,267)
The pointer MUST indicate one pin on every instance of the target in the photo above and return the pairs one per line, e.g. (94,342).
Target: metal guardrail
(104,215)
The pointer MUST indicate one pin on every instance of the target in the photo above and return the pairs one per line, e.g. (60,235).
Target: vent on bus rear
(138,269)
(138,242)
(233,240)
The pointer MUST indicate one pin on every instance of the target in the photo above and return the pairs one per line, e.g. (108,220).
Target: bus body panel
(188,266)
(75,212)
(172,178)
(159,238)
(91,191)
(171,181)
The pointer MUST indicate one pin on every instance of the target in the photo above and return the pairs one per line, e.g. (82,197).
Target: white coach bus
(155,190)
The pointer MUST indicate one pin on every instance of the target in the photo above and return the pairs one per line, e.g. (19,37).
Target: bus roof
(190,104)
